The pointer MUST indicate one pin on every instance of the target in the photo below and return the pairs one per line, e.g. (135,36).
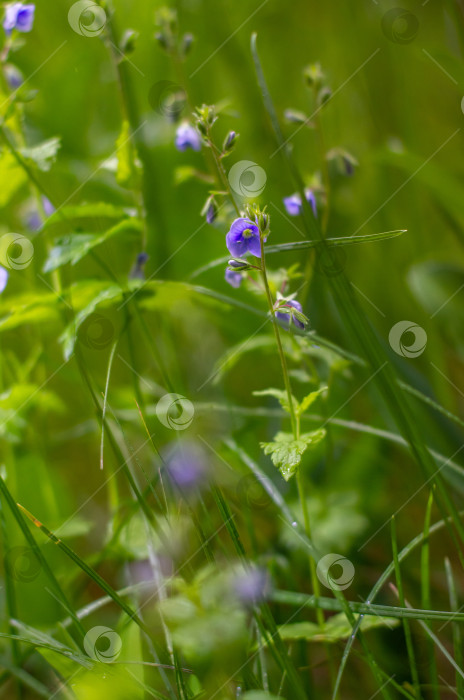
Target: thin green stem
(283,361)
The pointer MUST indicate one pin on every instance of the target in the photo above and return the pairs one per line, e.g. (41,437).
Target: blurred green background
(396,107)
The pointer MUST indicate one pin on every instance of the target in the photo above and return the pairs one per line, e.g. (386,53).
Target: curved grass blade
(38,554)
(401,613)
(306,245)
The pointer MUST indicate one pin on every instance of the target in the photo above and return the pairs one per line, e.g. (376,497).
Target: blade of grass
(39,556)
(406,625)
(457,634)
(94,576)
(305,245)
(425,594)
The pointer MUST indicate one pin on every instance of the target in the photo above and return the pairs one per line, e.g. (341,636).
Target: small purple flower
(3,278)
(19,17)
(243,238)
(285,317)
(187,137)
(34,220)
(186,465)
(252,586)
(294,206)
(233,278)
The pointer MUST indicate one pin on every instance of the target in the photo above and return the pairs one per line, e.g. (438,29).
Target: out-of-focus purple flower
(251,586)
(19,17)
(294,206)
(187,137)
(49,209)
(243,238)
(3,278)
(13,76)
(34,220)
(285,317)
(186,465)
(233,278)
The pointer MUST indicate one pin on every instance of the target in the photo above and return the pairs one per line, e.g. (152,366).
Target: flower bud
(324,95)
(313,75)
(186,45)
(128,41)
(210,210)
(296,117)
(162,40)
(341,162)
(229,142)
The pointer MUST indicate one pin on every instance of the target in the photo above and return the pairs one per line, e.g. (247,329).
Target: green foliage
(286,452)
(335,629)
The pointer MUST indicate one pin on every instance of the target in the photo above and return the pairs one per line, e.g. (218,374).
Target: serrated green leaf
(279,394)
(309,400)
(286,453)
(44,154)
(72,248)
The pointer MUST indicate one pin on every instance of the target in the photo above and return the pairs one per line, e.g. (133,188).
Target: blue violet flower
(19,17)
(187,137)
(243,238)
(294,206)
(285,317)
